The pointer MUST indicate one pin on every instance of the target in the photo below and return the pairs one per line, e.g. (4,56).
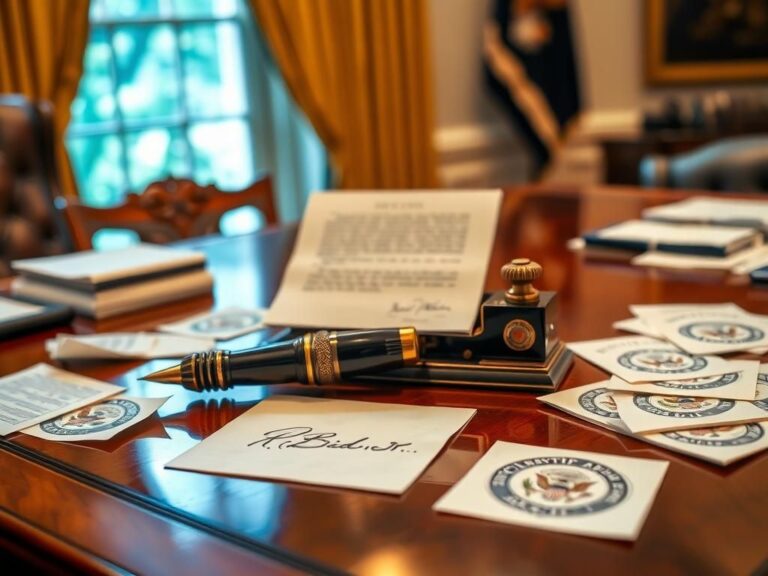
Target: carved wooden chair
(167,210)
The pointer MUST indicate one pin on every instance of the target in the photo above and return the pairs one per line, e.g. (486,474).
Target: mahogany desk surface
(114,506)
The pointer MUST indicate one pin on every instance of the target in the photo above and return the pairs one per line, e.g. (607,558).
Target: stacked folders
(104,284)
(701,232)
(670,385)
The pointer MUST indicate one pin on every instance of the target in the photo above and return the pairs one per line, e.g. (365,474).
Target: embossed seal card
(345,443)
(562,490)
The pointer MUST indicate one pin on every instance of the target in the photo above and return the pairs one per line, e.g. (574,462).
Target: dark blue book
(694,239)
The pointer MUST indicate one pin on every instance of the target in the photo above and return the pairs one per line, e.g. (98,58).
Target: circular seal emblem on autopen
(721,332)
(519,335)
(599,402)
(703,383)
(559,486)
(95,418)
(226,321)
(719,436)
(682,406)
(661,361)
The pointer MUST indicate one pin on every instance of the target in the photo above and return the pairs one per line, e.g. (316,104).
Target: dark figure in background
(530,68)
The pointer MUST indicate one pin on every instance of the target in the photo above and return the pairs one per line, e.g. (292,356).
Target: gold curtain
(360,70)
(42,43)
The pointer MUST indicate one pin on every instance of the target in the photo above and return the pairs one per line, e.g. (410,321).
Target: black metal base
(513,375)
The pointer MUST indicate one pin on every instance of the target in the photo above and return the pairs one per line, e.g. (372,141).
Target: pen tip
(171,375)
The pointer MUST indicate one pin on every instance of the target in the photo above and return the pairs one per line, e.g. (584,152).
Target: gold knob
(520,273)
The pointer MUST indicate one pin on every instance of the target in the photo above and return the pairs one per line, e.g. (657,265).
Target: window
(165,93)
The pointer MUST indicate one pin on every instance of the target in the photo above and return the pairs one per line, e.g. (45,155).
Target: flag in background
(530,68)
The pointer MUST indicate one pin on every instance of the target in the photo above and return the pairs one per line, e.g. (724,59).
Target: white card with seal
(223,324)
(592,402)
(100,421)
(655,413)
(644,359)
(584,493)
(741,384)
(704,332)
(721,444)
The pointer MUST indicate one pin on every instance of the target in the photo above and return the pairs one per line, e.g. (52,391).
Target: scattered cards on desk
(717,410)
(123,345)
(720,443)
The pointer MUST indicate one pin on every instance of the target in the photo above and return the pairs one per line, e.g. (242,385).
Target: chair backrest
(738,164)
(29,224)
(167,210)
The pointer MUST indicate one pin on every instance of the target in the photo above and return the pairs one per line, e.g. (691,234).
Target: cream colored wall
(475,143)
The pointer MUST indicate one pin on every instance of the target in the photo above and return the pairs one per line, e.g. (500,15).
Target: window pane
(213,68)
(147,72)
(223,153)
(154,155)
(219,8)
(128,9)
(95,100)
(97,163)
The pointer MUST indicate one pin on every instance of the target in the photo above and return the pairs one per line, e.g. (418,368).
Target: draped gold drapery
(360,70)
(42,44)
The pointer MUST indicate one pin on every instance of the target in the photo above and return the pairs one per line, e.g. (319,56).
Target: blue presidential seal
(95,418)
(761,398)
(682,406)
(660,361)
(226,321)
(703,383)
(599,402)
(721,332)
(719,436)
(559,486)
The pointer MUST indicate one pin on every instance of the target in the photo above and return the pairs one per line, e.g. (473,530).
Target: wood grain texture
(128,509)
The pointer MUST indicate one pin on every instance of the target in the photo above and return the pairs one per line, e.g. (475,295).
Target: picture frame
(696,42)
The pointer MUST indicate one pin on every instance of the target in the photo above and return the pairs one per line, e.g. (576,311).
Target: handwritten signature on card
(305,437)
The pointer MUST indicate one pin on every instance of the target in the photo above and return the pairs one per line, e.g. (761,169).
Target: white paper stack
(104,284)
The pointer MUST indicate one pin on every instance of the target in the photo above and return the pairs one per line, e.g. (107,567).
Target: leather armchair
(738,164)
(30,226)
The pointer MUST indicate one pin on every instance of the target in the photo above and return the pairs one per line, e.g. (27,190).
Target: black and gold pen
(315,358)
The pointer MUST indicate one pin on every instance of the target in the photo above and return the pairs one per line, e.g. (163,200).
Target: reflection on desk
(148,519)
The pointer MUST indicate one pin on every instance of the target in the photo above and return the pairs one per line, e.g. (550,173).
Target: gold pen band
(409,340)
(308,359)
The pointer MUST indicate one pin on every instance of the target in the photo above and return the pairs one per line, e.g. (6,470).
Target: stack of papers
(698,233)
(670,386)
(104,284)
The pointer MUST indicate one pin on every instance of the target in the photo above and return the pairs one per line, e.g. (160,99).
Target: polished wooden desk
(114,506)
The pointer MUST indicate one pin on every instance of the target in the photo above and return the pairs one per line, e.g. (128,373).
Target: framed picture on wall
(706,41)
